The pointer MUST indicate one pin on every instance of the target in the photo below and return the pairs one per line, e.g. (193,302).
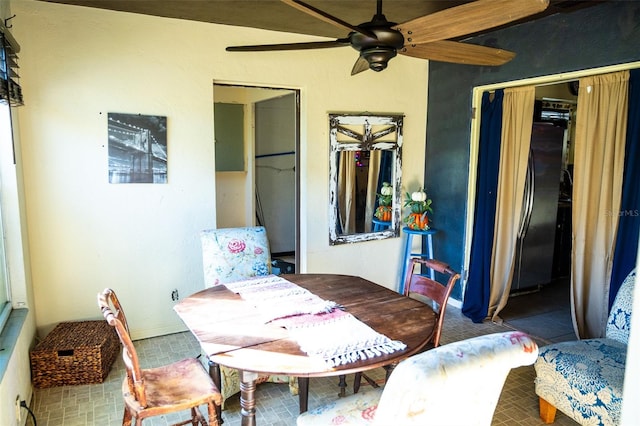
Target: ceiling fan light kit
(426,37)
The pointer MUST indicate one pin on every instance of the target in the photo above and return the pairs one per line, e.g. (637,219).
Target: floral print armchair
(455,384)
(584,378)
(234,254)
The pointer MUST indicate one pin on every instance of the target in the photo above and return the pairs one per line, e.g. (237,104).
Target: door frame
(249,144)
(474,145)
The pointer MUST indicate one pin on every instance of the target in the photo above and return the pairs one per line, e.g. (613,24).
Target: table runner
(319,326)
(274,297)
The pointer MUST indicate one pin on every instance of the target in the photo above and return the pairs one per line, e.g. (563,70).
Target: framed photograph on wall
(137,148)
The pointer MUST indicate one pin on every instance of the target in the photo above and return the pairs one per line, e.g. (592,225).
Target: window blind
(10,90)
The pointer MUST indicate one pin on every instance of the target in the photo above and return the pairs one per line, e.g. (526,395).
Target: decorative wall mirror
(365,152)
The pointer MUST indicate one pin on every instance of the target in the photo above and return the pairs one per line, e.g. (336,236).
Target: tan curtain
(372,185)
(347,191)
(517,122)
(601,123)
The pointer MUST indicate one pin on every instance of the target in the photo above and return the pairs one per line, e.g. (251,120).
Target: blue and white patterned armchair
(451,385)
(235,254)
(584,378)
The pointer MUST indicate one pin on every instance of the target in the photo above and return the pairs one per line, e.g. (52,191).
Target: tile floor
(101,404)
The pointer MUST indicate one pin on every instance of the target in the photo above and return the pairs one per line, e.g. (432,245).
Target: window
(10,90)
(10,95)
(5,296)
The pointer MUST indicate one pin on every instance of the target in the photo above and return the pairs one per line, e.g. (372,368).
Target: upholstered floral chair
(455,384)
(584,378)
(234,254)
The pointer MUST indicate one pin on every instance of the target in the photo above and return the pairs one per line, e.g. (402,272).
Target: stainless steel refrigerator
(536,238)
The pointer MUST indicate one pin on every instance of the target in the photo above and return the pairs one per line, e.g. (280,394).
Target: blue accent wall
(597,36)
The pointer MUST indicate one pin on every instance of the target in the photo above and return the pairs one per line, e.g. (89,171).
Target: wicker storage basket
(74,353)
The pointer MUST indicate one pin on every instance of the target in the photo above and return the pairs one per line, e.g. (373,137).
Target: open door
(257,143)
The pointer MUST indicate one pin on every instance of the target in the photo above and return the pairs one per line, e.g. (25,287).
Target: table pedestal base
(247,397)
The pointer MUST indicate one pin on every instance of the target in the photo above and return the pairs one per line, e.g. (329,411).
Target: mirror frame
(364,142)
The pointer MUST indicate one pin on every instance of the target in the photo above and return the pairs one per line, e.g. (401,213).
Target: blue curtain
(476,298)
(386,170)
(624,258)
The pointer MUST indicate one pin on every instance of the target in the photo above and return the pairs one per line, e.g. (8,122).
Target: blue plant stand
(410,233)
(380,225)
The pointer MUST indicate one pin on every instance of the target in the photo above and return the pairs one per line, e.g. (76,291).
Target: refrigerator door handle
(529,191)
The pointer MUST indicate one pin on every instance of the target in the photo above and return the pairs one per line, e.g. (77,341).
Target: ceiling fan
(425,37)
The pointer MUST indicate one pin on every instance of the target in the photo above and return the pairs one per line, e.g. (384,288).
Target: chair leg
(126,418)
(389,369)
(213,416)
(357,380)
(195,418)
(214,373)
(303,393)
(547,411)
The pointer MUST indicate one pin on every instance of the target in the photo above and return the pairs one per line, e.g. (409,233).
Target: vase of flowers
(419,206)
(385,200)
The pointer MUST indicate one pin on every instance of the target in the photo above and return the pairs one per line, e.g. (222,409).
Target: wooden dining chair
(422,287)
(158,391)
(436,293)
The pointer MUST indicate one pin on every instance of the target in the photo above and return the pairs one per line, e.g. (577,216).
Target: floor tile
(101,404)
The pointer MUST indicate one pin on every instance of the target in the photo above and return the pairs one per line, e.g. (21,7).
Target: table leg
(214,373)
(247,397)
(303,393)
(343,386)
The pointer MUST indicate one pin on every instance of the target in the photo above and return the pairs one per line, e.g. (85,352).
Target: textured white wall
(78,64)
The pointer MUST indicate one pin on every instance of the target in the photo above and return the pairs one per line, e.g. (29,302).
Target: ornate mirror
(365,156)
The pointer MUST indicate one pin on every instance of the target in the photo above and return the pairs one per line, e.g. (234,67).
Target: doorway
(549,159)
(539,302)
(499,286)
(257,129)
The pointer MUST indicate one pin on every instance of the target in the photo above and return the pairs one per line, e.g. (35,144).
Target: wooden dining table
(232,332)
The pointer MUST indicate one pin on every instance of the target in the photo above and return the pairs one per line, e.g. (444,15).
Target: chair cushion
(356,409)
(583,379)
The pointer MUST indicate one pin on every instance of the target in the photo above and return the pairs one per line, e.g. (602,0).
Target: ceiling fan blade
(458,53)
(467,19)
(290,46)
(360,65)
(325,17)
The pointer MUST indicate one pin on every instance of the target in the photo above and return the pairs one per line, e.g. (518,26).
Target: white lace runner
(320,327)
(275,297)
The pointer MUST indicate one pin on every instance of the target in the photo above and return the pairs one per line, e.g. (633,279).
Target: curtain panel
(478,288)
(601,122)
(624,258)
(347,191)
(517,124)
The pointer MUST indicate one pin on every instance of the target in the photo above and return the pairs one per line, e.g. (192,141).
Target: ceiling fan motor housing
(377,51)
